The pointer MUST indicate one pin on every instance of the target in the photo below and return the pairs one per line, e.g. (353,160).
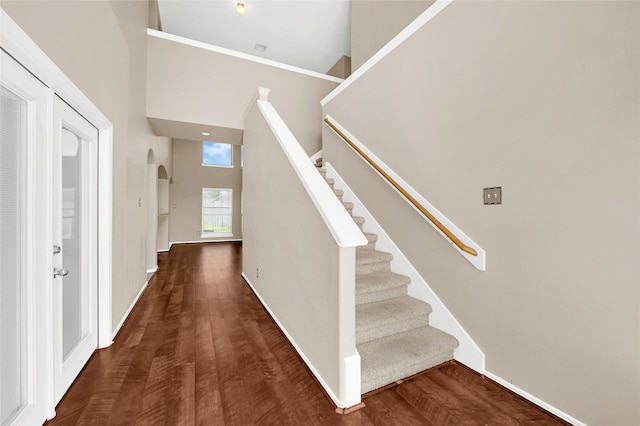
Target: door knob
(60,272)
(57,249)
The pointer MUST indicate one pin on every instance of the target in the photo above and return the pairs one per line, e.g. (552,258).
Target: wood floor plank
(199,349)
(494,396)
(395,411)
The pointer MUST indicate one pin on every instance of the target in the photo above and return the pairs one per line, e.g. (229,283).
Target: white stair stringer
(440,318)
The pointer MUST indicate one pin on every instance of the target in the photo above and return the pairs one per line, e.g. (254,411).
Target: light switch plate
(493,195)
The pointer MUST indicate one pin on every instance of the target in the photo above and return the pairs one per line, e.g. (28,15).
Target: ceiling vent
(260,47)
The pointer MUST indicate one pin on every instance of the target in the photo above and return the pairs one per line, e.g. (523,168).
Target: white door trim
(18,44)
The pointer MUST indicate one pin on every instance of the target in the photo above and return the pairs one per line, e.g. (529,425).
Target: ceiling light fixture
(240,8)
(205,134)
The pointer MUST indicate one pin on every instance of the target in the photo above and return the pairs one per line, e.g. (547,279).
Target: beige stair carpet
(393,335)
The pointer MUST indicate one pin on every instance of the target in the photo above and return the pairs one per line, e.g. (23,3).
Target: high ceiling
(311,34)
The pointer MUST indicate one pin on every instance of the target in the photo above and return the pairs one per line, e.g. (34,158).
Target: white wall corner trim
(240,55)
(468,352)
(550,408)
(126,314)
(332,395)
(403,35)
(345,232)
(478,261)
(19,45)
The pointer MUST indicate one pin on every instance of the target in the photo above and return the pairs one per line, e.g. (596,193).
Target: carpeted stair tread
(378,286)
(401,355)
(392,332)
(368,260)
(385,317)
(370,256)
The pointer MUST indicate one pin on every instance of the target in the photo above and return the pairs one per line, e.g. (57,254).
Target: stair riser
(368,268)
(373,381)
(363,336)
(377,296)
(371,245)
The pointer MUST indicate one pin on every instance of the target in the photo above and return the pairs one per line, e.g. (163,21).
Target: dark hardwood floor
(199,349)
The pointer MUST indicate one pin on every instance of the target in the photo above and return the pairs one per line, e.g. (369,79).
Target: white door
(25,247)
(74,275)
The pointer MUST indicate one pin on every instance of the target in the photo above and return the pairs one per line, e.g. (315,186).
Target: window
(216,154)
(217,212)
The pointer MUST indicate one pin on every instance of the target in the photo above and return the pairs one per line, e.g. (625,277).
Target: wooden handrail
(462,246)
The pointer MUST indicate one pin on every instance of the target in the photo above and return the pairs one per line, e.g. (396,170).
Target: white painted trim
(126,314)
(221,235)
(163,250)
(18,44)
(229,240)
(327,388)
(315,157)
(478,261)
(105,235)
(152,270)
(344,231)
(240,55)
(219,166)
(550,408)
(351,380)
(349,371)
(441,318)
(403,35)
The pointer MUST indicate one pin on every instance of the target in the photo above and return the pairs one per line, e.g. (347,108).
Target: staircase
(393,335)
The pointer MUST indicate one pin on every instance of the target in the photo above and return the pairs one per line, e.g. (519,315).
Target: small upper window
(216,154)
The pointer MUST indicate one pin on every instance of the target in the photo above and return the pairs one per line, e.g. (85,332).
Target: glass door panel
(73,324)
(75,233)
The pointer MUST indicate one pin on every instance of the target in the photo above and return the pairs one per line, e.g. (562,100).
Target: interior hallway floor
(199,349)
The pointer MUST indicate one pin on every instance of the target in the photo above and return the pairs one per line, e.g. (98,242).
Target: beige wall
(189,177)
(342,68)
(541,98)
(375,22)
(194,85)
(289,255)
(101,47)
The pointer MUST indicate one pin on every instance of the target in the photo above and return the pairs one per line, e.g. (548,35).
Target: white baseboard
(226,240)
(126,314)
(334,398)
(550,408)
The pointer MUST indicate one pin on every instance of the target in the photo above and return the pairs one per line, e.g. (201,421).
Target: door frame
(19,45)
